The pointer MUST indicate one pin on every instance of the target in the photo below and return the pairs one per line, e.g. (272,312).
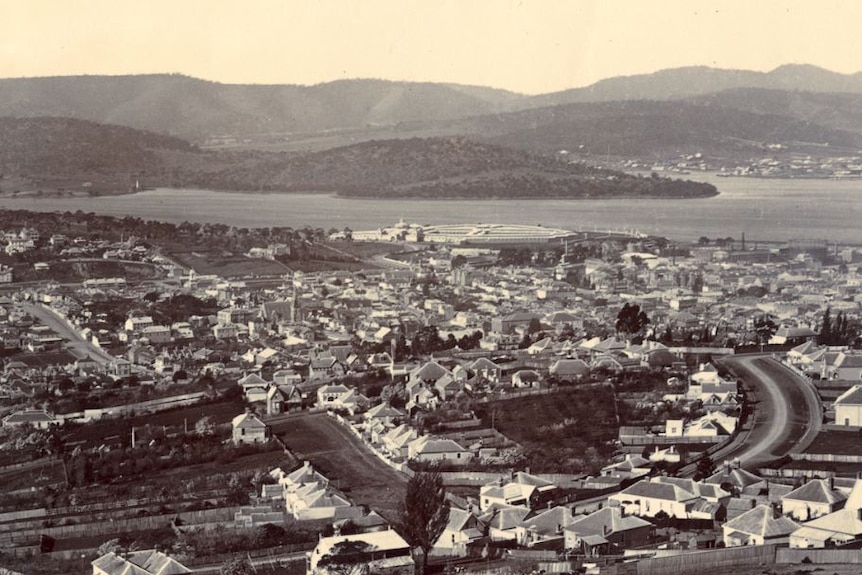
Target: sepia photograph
(413,287)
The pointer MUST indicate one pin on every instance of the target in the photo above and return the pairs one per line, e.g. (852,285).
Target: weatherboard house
(249,428)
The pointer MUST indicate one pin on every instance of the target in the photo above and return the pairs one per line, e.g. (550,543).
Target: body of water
(762,209)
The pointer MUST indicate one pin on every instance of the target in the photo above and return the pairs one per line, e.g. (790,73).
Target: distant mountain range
(456,140)
(199,110)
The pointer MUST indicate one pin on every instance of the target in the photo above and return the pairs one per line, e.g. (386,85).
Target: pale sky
(529,46)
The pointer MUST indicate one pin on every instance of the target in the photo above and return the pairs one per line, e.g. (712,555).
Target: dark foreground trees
(424,512)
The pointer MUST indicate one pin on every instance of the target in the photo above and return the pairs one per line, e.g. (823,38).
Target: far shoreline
(37,196)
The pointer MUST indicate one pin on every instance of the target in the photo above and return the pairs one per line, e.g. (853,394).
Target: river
(762,209)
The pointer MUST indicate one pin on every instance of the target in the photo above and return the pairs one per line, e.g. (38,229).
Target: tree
(347,558)
(825,335)
(424,512)
(765,328)
(631,320)
(205,426)
(458,261)
(705,468)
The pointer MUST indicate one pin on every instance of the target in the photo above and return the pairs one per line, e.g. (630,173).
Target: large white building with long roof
(474,233)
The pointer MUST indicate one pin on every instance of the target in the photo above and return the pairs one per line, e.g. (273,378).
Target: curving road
(786,412)
(77,345)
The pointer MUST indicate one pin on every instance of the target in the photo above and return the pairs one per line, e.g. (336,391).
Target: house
(632,466)
(848,407)
(396,441)
(790,335)
(325,367)
(329,396)
(506,524)
(738,480)
(462,529)
(840,527)
(288,399)
(527,378)
(521,490)
(570,369)
(846,366)
(157,334)
(545,528)
(249,428)
(428,449)
(383,552)
(150,562)
(759,526)
(486,369)
(649,498)
(38,418)
(812,500)
(315,501)
(606,530)
(385,414)
(226,331)
(137,324)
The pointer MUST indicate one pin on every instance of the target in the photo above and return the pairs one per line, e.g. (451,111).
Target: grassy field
(74,271)
(341,457)
(569,431)
(227,264)
(119,430)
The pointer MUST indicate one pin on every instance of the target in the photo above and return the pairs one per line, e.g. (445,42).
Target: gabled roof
(247,421)
(852,396)
(848,360)
(150,562)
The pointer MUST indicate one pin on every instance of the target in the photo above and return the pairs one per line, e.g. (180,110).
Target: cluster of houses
(297,344)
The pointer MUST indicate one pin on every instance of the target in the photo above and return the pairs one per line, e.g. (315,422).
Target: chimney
(831,483)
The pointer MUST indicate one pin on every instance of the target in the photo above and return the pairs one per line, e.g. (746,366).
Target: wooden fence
(714,562)
(820,556)
(112,526)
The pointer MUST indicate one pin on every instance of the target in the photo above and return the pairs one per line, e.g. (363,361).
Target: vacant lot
(343,459)
(568,431)
(837,442)
(175,420)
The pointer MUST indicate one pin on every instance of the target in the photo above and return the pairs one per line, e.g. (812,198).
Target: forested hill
(447,168)
(57,155)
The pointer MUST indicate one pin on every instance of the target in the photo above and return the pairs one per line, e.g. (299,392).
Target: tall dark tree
(424,512)
(765,328)
(825,335)
(631,320)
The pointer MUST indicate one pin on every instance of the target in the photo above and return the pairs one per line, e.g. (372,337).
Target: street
(786,413)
